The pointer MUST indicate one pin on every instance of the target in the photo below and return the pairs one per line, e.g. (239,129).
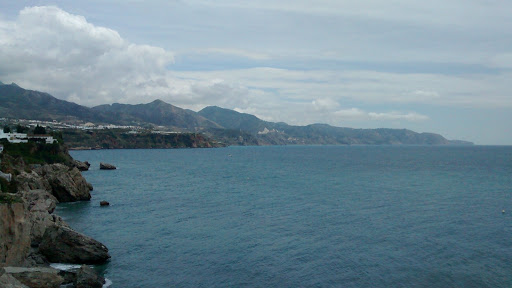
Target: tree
(21,129)
(7,129)
(39,130)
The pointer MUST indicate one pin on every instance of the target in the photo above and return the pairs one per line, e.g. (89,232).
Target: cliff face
(14,233)
(31,235)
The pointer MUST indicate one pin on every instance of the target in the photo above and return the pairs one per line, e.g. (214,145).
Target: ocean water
(302,216)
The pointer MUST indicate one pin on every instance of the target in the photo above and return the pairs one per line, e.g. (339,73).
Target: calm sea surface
(302,216)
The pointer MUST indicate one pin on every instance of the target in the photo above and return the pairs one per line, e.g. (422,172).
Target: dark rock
(88,278)
(69,276)
(104,203)
(89,185)
(36,277)
(64,245)
(106,166)
(82,166)
(67,185)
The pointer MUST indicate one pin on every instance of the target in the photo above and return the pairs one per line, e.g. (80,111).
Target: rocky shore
(32,236)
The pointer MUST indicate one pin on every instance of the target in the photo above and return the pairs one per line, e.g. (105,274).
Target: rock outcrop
(67,185)
(39,200)
(8,281)
(64,245)
(36,277)
(106,166)
(31,181)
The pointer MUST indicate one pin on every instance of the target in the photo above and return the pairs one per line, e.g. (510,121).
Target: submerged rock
(104,203)
(106,166)
(64,245)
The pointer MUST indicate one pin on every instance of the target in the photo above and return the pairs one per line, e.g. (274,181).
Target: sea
(301,216)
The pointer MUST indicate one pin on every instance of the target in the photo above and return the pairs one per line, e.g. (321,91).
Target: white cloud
(231,52)
(51,50)
(325,104)
(398,116)
(361,115)
(351,114)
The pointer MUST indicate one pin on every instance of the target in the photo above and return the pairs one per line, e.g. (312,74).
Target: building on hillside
(24,138)
(47,138)
(14,137)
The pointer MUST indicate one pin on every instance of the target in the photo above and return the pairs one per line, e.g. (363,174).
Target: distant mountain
(282,133)
(157,112)
(16,102)
(231,119)
(228,126)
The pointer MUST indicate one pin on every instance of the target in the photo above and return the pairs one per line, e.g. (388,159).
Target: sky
(429,66)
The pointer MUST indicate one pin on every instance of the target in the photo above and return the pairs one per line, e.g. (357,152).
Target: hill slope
(282,133)
(158,113)
(16,102)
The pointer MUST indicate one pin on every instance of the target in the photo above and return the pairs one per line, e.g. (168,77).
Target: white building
(47,138)
(23,138)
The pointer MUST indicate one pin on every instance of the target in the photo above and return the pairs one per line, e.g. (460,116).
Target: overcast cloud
(438,66)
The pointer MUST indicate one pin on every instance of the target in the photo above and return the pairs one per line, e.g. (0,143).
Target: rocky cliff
(32,236)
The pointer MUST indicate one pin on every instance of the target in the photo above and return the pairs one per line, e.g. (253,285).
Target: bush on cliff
(38,153)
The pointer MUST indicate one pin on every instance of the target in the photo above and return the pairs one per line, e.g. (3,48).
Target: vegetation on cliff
(122,139)
(36,153)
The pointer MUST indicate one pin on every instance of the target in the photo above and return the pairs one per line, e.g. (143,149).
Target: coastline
(34,241)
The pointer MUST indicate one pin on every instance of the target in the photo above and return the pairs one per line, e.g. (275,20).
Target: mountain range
(225,125)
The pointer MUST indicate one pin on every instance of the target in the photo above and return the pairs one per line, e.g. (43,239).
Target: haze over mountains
(223,124)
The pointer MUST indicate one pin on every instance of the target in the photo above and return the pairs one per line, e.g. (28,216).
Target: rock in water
(82,166)
(104,203)
(87,278)
(106,166)
(64,245)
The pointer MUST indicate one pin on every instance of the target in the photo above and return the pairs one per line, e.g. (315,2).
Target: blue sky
(438,66)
